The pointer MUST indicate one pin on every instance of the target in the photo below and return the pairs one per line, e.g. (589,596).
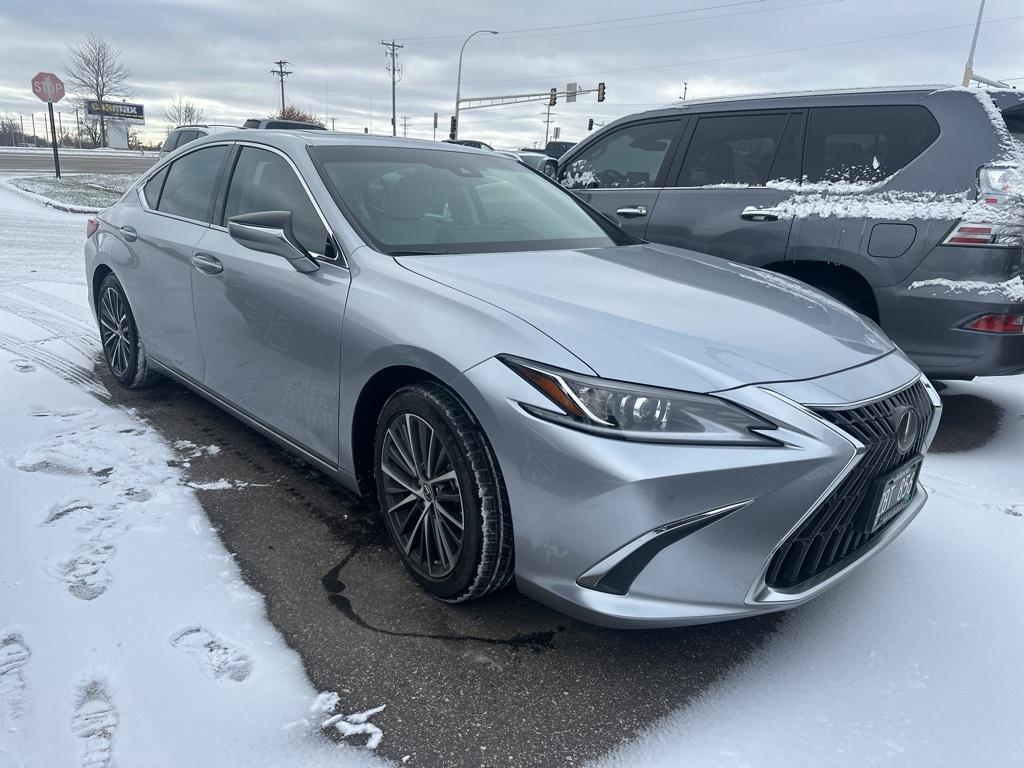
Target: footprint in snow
(218,658)
(23,366)
(86,574)
(62,509)
(74,414)
(95,721)
(14,654)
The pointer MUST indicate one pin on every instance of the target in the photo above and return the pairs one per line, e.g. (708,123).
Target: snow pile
(1012,290)
(913,661)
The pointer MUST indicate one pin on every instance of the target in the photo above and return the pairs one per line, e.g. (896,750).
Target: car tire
(434,471)
(123,350)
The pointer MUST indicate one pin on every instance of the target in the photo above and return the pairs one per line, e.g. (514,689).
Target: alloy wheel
(115,330)
(423,501)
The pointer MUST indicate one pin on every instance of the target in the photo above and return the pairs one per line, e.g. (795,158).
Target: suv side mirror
(271,232)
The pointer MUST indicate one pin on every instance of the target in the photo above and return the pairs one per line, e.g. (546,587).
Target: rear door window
(188,188)
(628,158)
(171,142)
(739,149)
(185,137)
(152,189)
(264,181)
(865,144)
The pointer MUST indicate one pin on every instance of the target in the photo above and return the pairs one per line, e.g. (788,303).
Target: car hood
(667,317)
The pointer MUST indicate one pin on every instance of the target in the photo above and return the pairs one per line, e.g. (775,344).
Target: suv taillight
(90,227)
(997,219)
(997,324)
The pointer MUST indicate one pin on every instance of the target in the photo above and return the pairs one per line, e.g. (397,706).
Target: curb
(48,202)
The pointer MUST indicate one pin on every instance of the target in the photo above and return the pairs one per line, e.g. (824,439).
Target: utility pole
(34,138)
(405,126)
(686,84)
(78,130)
(281,73)
(396,74)
(969,67)
(22,118)
(60,122)
(332,123)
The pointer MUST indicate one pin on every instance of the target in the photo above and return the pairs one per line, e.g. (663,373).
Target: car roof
(295,138)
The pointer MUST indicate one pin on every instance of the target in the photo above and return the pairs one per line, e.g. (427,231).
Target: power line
(282,73)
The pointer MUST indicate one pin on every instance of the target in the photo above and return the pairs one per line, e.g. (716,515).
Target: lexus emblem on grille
(907,424)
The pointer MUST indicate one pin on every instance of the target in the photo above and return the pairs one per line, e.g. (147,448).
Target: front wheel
(122,347)
(441,494)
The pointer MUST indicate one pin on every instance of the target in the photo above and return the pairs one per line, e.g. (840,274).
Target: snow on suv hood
(666,317)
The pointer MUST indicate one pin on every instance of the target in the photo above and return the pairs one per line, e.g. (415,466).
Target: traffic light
(553,98)
(590,124)
(452,131)
(600,91)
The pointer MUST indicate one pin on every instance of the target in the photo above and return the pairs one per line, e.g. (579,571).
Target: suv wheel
(442,495)
(122,347)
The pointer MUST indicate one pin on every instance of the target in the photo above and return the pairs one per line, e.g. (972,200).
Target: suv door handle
(128,234)
(631,211)
(750,213)
(207,264)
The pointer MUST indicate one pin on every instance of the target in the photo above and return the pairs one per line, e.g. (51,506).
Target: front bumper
(581,503)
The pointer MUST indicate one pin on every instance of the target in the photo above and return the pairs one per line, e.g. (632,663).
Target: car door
(621,173)
(271,335)
(719,199)
(177,206)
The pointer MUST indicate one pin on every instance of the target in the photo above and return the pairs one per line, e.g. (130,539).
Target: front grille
(835,530)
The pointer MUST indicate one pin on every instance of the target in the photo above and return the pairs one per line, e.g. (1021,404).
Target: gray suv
(906,204)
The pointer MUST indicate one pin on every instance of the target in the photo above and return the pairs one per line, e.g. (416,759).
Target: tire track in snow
(65,369)
(77,335)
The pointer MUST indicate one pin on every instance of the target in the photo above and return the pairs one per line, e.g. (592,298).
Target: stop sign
(48,87)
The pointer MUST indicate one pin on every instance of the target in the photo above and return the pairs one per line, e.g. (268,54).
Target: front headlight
(630,412)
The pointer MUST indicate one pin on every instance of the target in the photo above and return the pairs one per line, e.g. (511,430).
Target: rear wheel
(442,495)
(122,347)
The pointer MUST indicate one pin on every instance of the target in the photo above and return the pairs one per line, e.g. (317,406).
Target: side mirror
(271,232)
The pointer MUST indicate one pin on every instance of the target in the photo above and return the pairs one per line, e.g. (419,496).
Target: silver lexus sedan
(635,434)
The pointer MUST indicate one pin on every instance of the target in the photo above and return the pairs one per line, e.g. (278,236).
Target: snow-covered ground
(127,636)
(90,190)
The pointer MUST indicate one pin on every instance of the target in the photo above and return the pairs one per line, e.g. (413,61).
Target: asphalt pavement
(77,162)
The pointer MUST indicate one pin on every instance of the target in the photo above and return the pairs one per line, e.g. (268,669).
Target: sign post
(49,88)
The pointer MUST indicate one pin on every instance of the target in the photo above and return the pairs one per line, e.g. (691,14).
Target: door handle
(207,264)
(631,211)
(750,213)
(128,234)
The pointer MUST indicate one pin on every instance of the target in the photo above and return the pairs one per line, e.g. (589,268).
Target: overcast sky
(219,53)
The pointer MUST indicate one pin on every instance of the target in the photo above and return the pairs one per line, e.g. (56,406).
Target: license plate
(892,493)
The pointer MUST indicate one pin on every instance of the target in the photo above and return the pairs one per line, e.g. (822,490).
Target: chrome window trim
(341,259)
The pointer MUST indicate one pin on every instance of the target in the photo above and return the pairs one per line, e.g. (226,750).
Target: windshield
(406,200)
(1015,122)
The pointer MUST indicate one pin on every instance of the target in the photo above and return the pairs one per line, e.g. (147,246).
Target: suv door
(178,203)
(271,335)
(621,172)
(718,200)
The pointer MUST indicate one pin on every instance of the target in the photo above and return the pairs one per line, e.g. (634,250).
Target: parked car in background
(184,134)
(431,325)
(539,161)
(556,149)
(273,123)
(907,204)
(468,143)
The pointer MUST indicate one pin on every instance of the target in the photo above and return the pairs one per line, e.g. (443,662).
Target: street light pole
(969,68)
(458,81)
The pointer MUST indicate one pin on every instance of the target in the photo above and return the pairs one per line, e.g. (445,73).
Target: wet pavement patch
(968,423)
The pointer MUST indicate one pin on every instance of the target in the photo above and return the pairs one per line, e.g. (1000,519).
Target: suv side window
(865,144)
(188,188)
(185,137)
(733,149)
(629,157)
(264,181)
(171,142)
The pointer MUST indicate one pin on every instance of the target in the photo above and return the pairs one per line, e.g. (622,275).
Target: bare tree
(182,111)
(292,112)
(10,127)
(94,71)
